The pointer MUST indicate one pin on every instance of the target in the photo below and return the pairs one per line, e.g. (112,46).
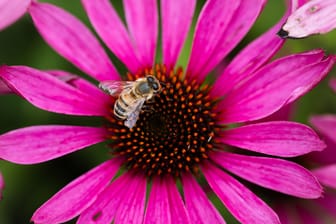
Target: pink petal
(2,185)
(294,4)
(314,17)
(158,210)
(251,58)
(50,93)
(42,143)
(211,25)
(326,125)
(332,84)
(165,204)
(199,207)
(83,85)
(178,211)
(176,20)
(132,206)
(143,23)
(222,24)
(123,200)
(276,174)
(240,201)
(4,88)
(326,175)
(286,113)
(279,83)
(71,39)
(76,196)
(12,10)
(278,138)
(112,30)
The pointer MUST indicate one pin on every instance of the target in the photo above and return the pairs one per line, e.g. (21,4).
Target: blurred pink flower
(12,10)
(186,132)
(2,185)
(322,210)
(333,84)
(314,17)
(322,164)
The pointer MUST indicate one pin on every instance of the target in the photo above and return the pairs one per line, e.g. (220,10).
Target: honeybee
(131,96)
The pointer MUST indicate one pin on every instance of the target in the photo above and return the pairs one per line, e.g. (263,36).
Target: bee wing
(134,115)
(114,88)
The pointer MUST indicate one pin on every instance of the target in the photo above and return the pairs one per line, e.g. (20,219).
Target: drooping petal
(199,207)
(4,88)
(12,10)
(83,85)
(176,19)
(325,124)
(37,144)
(240,201)
(277,138)
(222,25)
(111,29)
(326,175)
(314,17)
(71,39)
(165,204)
(123,200)
(332,84)
(276,174)
(279,83)
(76,196)
(50,93)
(294,4)
(143,24)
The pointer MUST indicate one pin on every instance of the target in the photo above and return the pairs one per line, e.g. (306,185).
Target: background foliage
(28,186)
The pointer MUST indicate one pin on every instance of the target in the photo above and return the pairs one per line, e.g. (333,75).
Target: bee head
(153,83)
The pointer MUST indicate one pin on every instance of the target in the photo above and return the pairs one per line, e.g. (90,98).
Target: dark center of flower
(175,130)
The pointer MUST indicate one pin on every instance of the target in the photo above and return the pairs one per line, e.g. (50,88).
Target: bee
(131,96)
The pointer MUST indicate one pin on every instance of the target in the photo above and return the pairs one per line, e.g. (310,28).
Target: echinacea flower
(314,17)
(184,132)
(12,10)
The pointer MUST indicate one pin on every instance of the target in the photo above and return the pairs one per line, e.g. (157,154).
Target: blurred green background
(28,186)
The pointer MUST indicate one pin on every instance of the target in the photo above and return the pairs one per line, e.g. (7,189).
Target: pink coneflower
(11,11)
(322,210)
(185,130)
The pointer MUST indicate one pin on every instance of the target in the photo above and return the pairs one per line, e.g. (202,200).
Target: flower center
(175,130)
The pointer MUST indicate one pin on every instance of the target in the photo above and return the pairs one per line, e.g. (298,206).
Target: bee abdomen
(119,111)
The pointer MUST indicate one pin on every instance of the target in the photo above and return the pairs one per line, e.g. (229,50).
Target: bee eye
(155,86)
(150,79)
